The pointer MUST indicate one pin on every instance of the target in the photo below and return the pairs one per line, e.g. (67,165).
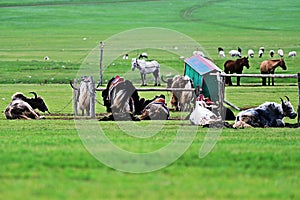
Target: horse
(147,67)
(231,66)
(269,66)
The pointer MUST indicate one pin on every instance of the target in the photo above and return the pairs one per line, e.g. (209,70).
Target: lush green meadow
(45,159)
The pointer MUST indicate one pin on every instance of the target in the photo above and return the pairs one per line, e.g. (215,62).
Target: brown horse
(231,66)
(269,66)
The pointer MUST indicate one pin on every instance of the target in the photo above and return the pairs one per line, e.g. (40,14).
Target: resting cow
(22,107)
(202,116)
(156,110)
(121,99)
(269,114)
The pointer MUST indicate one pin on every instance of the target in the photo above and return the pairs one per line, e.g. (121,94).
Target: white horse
(147,67)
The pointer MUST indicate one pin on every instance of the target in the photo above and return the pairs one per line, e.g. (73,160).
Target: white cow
(203,116)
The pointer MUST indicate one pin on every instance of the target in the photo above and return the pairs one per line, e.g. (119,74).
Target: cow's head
(38,102)
(105,97)
(288,109)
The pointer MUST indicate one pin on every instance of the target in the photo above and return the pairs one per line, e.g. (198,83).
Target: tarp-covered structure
(200,70)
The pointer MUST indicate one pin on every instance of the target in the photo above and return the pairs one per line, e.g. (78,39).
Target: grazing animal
(156,109)
(221,52)
(250,53)
(280,53)
(235,53)
(269,66)
(231,66)
(261,51)
(22,107)
(147,67)
(83,95)
(143,55)
(292,54)
(121,99)
(269,114)
(181,100)
(125,57)
(272,53)
(197,52)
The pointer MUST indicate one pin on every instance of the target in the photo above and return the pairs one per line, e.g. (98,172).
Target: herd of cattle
(123,102)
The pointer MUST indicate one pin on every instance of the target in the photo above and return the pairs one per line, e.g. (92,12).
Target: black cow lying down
(269,114)
(121,99)
(22,107)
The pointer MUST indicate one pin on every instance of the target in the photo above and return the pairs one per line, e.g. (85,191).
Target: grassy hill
(45,159)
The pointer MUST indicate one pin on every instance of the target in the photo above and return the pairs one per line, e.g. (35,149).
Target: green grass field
(45,159)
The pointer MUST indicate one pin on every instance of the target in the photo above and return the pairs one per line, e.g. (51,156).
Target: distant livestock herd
(251,53)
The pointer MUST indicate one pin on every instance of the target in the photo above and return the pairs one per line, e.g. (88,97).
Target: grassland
(46,159)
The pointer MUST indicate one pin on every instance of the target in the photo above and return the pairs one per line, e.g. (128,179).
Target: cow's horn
(287,98)
(282,101)
(163,79)
(35,95)
(73,86)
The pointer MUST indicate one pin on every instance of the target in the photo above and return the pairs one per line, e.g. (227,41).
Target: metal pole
(101,57)
(298,99)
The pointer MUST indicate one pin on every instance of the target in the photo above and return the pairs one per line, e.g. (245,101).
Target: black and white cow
(121,99)
(269,114)
(22,107)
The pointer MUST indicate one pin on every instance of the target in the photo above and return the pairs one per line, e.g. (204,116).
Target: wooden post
(101,58)
(221,91)
(75,94)
(92,97)
(298,99)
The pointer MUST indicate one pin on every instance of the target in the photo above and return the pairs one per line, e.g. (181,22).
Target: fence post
(101,66)
(92,97)
(221,91)
(298,99)
(75,93)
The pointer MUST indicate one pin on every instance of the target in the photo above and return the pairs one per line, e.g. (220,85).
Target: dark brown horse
(269,66)
(235,66)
